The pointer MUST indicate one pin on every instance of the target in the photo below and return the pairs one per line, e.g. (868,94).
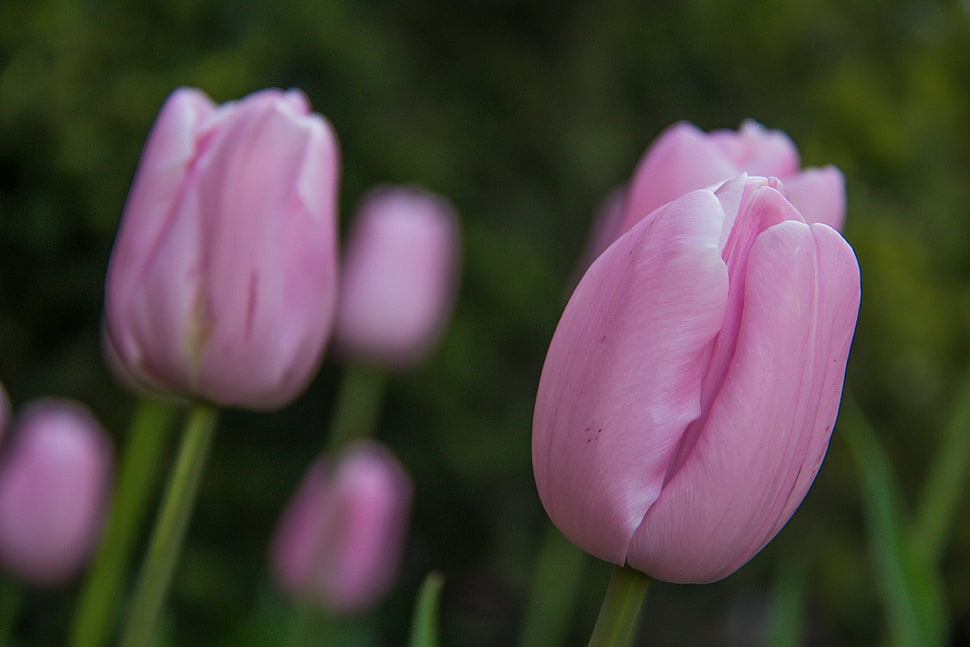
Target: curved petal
(257,225)
(165,162)
(682,159)
(819,194)
(758,150)
(771,421)
(622,377)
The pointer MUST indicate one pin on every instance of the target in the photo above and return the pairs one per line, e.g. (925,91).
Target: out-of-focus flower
(398,278)
(684,158)
(339,541)
(222,282)
(54,483)
(691,387)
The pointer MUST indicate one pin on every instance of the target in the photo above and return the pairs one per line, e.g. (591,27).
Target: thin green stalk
(137,479)
(945,482)
(911,588)
(552,598)
(619,615)
(358,405)
(424,624)
(170,526)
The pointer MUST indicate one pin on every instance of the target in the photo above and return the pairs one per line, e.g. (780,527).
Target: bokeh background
(526,114)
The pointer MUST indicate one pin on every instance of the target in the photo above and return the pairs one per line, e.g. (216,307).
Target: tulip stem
(137,478)
(619,615)
(170,526)
(358,405)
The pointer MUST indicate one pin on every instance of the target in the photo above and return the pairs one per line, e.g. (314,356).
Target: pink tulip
(683,158)
(338,543)
(691,386)
(54,484)
(398,278)
(222,281)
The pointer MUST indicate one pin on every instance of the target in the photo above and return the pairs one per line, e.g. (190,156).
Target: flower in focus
(222,280)
(398,278)
(691,386)
(684,158)
(54,483)
(339,541)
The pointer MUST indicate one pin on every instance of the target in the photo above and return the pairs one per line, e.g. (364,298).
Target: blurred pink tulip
(398,277)
(54,483)
(690,389)
(222,281)
(683,158)
(339,541)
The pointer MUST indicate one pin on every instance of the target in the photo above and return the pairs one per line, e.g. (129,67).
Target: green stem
(170,526)
(358,405)
(137,479)
(555,581)
(945,482)
(619,616)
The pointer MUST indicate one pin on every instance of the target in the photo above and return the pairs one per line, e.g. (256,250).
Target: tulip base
(619,615)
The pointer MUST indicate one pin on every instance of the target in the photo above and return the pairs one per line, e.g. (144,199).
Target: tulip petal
(772,419)
(682,159)
(622,377)
(758,150)
(254,223)
(819,194)
(168,154)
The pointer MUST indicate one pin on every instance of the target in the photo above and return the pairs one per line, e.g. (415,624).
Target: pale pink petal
(757,150)
(819,194)
(771,421)
(681,160)
(621,381)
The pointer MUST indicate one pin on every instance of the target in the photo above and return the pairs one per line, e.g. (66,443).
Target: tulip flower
(54,483)
(339,540)
(222,280)
(398,277)
(683,158)
(691,386)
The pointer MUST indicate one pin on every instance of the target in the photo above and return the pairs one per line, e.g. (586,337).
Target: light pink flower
(222,281)
(54,482)
(339,541)
(398,278)
(690,389)
(684,158)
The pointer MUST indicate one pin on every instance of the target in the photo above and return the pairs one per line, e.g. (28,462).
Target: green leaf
(424,624)
(911,588)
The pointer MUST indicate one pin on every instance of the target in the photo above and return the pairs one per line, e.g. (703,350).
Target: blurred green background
(526,114)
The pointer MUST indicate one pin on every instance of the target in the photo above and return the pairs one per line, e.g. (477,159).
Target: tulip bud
(54,482)
(691,386)
(222,281)
(338,543)
(683,158)
(398,277)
